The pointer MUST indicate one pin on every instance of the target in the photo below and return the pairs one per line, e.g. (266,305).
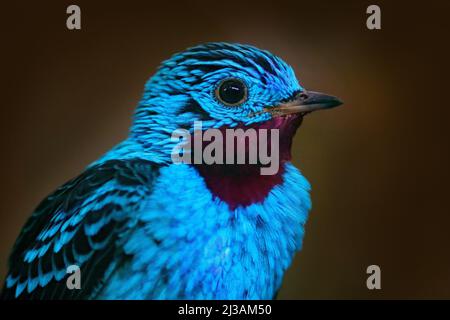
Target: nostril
(303,96)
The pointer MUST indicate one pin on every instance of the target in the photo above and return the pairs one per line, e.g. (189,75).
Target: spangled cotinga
(142,227)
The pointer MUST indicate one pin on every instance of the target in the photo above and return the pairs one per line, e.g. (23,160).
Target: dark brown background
(378,165)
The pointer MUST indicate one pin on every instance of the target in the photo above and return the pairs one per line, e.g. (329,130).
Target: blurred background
(378,165)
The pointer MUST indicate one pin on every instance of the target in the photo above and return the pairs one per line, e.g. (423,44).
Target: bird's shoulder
(79,224)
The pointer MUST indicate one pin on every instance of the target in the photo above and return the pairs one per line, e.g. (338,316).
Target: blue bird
(140,226)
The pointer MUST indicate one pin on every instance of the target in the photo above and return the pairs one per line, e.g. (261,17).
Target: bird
(140,226)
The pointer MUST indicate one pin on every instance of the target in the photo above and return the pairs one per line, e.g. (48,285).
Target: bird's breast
(191,245)
(261,145)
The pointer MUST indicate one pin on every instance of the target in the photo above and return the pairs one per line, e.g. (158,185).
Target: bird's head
(223,86)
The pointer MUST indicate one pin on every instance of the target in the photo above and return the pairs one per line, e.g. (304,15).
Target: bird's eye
(231,92)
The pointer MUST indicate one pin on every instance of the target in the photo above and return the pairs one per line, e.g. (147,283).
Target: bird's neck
(246,184)
(239,185)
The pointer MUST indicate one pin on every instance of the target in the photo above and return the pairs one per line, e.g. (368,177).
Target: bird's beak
(303,103)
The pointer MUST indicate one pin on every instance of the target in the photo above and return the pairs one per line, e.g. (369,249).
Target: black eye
(232,92)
